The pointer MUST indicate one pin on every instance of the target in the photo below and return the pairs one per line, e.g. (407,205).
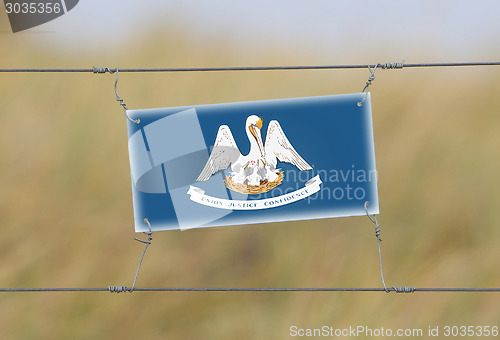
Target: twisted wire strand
(118,98)
(370,79)
(103,70)
(149,234)
(392,66)
(404,289)
(122,289)
(117,289)
(379,239)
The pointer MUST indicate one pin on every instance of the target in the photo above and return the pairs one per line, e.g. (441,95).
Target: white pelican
(259,166)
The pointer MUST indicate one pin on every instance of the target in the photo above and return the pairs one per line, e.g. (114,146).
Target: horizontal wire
(247,68)
(119,289)
(125,289)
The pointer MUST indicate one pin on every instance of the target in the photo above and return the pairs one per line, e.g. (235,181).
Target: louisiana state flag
(252,162)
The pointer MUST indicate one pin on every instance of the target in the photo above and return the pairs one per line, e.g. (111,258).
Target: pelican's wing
(224,152)
(278,146)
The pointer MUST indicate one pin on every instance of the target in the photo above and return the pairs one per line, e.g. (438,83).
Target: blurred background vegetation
(66,208)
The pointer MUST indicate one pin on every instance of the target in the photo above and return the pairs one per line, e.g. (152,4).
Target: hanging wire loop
(368,83)
(120,100)
(371,78)
(373,218)
(377,235)
(103,70)
(122,289)
(149,234)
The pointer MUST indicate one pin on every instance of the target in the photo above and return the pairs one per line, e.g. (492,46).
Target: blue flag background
(170,146)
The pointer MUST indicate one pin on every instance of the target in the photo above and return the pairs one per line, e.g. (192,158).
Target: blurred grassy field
(66,209)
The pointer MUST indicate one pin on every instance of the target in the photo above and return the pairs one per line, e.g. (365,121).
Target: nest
(264,186)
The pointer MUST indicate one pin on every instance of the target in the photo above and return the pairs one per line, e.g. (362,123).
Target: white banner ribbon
(198,195)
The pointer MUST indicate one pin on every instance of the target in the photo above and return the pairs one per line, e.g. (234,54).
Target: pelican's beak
(259,123)
(256,134)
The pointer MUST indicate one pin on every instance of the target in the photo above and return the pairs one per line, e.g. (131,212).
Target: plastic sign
(252,162)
